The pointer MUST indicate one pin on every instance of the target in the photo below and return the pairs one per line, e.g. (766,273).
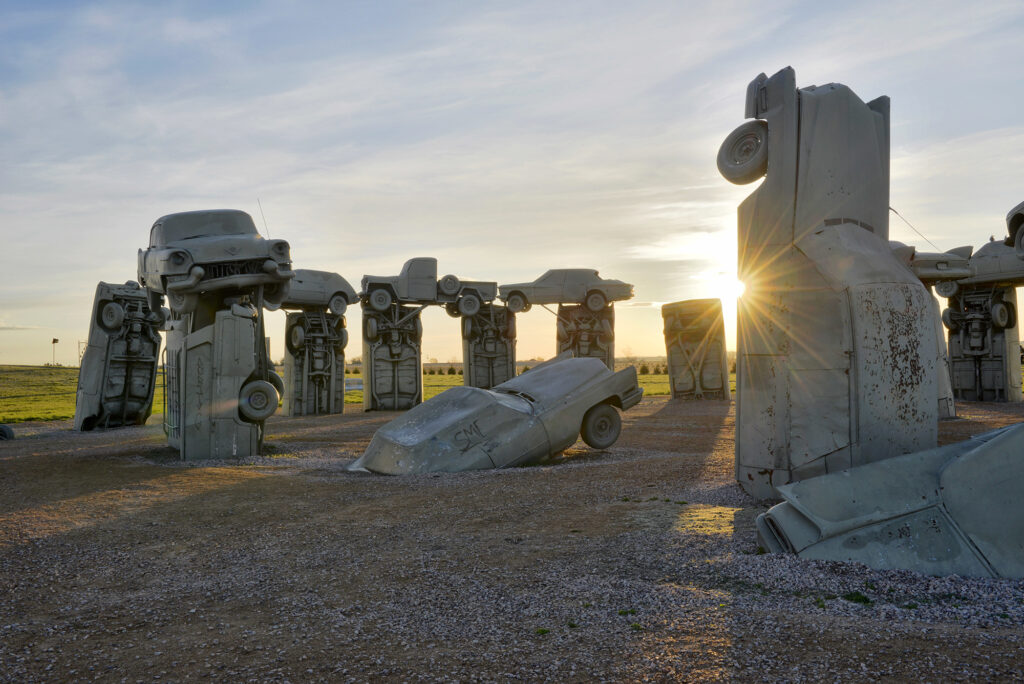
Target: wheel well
(615,400)
(1015,223)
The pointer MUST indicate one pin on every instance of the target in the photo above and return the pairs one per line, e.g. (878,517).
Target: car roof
(193,224)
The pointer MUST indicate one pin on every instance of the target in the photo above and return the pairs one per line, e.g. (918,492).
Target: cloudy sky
(502,138)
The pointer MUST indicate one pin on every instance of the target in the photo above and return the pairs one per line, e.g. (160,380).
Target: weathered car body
(118,373)
(194,252)
(534,415)
(698,366)
(319,290)
(954,509)
(836,355)
(417,283)
(565,286)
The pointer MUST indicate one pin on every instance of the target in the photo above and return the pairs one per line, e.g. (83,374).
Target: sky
(502,138)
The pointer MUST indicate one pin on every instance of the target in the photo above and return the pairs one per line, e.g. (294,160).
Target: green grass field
(48,393)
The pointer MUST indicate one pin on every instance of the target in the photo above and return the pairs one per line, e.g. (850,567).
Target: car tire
(517,303)
(1002,315)
(596,301)
(339,346)
(452,309)
(947,320)
(370,329)
(467,328)
(296,338)
(743,157)
(257,401)
(601,426)
(947,288)
(449,285)
(510,327)
(6,433)
(277,381)
(469,305)
(112,316)
(338,304)
(380,300)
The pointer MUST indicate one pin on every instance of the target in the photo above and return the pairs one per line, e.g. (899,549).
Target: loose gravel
(120,563)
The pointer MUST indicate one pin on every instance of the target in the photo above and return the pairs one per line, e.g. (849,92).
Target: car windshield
(193,224)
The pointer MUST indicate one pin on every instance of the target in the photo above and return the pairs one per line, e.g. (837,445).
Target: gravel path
(118,562)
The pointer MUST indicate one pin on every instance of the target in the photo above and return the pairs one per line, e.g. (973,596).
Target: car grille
(226,269)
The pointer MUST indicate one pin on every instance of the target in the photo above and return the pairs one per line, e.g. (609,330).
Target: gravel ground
(118,562)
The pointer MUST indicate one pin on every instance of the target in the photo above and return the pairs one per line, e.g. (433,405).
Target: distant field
(30,393)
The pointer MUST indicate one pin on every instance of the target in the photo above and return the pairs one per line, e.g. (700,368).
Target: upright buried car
(525,419)
(215,250)
(565,285)
(118,373)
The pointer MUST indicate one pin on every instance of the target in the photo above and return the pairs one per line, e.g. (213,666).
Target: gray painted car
(317,290)
(117,377)
(565,286)
(194,252)
(955,509)
(418,283)
(528,418)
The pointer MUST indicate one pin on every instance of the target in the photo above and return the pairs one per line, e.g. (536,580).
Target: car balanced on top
(418,284)
(566,285)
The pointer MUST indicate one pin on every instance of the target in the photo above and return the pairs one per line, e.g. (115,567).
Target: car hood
(224,248)
(464,428)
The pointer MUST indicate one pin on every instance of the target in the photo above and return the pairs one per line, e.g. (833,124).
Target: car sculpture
(418,284)
(526,419)
(313,290)
(565,285)
(117,376)
(195,252)
(956,509)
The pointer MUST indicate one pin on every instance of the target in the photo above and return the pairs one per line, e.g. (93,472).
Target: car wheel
(947,320)
(380,300)
(6,433)
(516,302)
(338,304)
(275,295)
(510,327)
(182,304)
(449,285)
(743,157)
(1001,315)
(601,426)
(946,288)
(596,301)
(469,305)
(257,401)
(452,309)
(277,381)
(342,342)
(296,338)
(467,328)
(112,316)
(370,329)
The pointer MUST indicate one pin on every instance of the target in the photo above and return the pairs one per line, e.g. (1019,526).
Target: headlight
(280,249)
(179,258)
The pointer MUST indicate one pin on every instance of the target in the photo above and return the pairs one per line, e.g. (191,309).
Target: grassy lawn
(48,393)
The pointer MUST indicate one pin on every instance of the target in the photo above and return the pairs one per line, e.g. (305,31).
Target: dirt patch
(639,562)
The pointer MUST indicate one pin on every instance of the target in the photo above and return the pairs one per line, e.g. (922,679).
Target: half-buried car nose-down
(532,416)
